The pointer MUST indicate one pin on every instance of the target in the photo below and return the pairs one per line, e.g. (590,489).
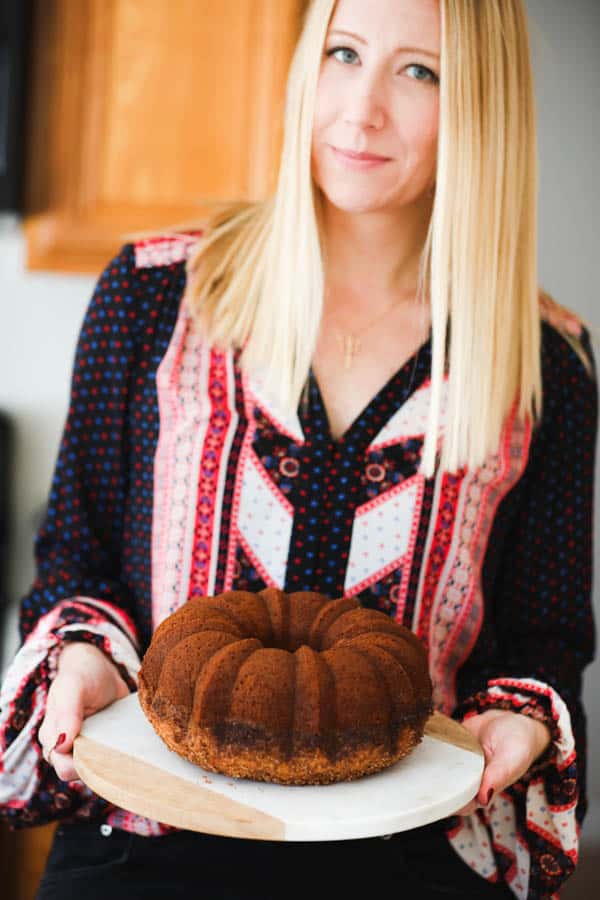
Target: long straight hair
(256,279)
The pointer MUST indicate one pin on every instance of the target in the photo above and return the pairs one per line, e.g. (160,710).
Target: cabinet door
(23,855)
(145,113)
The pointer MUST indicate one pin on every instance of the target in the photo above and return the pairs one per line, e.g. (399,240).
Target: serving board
(120,757)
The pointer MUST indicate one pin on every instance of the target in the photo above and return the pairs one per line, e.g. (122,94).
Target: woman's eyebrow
(361,40)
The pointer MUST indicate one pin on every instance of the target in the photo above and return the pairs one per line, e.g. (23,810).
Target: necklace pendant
(350,345)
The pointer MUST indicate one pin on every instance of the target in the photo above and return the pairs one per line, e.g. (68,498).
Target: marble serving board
(120,757)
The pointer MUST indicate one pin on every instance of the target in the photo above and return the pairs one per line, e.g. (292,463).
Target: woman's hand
(559,316)
(511,743)
(85,683)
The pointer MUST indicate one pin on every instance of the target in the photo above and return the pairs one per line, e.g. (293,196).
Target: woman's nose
(365,105)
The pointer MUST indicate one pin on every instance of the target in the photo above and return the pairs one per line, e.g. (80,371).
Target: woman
(307,340)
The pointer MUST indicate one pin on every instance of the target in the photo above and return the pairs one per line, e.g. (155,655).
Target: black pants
(88,863)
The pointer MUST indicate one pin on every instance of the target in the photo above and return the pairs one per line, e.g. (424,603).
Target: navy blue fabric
(85,864)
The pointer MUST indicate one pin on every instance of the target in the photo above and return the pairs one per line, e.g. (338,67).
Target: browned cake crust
(292,688)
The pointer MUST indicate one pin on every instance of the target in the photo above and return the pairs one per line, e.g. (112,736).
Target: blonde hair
(256,279)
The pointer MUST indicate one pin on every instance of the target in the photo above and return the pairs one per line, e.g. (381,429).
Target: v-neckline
(397,380)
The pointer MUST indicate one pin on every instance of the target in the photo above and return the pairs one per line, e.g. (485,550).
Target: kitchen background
(42,313)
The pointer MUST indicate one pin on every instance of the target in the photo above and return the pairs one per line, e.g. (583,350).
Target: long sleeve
(79,592)
(541,614)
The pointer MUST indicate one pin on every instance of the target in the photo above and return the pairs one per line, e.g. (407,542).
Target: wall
(41,313)
(41,316)
(565,39)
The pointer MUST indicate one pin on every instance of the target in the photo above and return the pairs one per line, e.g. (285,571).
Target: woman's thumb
(61,726)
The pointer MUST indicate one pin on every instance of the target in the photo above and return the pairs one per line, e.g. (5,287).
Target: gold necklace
(351,343)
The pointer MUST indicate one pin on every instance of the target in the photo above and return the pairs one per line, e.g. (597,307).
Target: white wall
(41,316)
(565,39)
(41,313)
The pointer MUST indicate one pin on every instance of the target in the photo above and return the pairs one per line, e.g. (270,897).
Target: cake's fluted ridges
(183,666)
(278,612)
(400,688)
(357,691)
(305,606)
(412,657)
(249,614)
(358,621)
(327,617)
(266,612)
(213,689)
(272,671)
(223,613)
(384,683)
(314,711)
(192,617)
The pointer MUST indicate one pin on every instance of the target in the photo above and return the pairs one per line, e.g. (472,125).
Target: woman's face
(378,93)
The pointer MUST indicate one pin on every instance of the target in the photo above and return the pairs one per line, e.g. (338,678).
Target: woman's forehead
(414,23)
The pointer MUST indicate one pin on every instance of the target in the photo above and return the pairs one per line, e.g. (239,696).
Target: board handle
(149,791)
(443,728)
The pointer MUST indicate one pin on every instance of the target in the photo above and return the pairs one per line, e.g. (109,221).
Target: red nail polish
(61,738)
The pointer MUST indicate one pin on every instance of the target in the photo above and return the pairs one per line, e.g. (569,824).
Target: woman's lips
(358,160)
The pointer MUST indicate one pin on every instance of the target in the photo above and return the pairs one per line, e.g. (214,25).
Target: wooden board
(119,755)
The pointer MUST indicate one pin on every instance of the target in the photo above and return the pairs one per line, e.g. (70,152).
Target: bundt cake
(292,688)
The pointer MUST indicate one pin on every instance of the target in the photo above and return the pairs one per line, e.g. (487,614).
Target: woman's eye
(428,74)
(423,73)
(340,50)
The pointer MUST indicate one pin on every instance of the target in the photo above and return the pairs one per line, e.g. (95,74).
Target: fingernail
(489,796)
(61,739)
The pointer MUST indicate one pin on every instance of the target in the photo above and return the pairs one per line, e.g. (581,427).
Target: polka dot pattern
(338,476)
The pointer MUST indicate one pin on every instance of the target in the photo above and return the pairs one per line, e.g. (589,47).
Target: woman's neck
(372,259)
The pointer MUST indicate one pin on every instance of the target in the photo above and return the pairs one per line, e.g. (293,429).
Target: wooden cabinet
(144,113)
(23,857)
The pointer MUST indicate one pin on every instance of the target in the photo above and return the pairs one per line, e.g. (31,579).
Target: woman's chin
(351,202)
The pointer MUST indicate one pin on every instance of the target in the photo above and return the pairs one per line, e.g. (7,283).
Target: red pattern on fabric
(162,250)
(212,454)
(438,554)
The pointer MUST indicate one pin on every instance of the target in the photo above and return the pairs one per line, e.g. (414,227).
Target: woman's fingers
(61,725)
(63,765)
(510,743)
(474,724)
(506,767)
(499,774)
(468,809)
(86,682)
(64,714)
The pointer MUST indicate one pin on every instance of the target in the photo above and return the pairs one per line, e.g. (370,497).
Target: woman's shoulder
(569,384)
(164,249)
(144,281)
(565,358)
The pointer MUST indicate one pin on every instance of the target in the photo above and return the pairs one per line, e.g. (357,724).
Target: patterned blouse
(176,476)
